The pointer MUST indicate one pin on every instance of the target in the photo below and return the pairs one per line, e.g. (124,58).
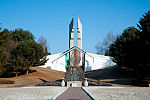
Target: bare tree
(43,42)
(109,39)
(99,48)
(103,47)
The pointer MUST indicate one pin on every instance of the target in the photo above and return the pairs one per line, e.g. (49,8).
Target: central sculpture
(75,58)
(75,73)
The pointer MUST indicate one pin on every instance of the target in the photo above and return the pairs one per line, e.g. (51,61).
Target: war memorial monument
(74,74)
(74,78)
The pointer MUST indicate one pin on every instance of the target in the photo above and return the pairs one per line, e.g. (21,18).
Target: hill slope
(116,76)
(39,76)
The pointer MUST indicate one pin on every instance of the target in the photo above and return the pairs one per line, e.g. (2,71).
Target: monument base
(74,84)
(74,77)
(74,74)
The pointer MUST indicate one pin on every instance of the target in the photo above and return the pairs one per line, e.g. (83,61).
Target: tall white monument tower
(71,34)
(79,34)
(79,28)
(71,37)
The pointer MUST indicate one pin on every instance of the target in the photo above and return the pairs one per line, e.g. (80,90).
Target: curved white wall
(99,61)
(57,64)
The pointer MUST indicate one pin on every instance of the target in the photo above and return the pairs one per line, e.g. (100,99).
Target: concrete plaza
(98,93)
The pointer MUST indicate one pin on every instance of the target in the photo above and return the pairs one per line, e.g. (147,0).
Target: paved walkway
(74,93)
(119,93)
(30,93)
(97,92)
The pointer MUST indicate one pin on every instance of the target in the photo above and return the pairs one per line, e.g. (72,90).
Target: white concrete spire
(79,34)
(71,34)
(80,38)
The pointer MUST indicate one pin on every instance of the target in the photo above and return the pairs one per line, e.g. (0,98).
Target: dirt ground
(115,75)
(39,76)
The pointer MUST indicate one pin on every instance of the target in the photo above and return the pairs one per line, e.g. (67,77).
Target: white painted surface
(91,63)
(55,64)
(79,28)
(99,61)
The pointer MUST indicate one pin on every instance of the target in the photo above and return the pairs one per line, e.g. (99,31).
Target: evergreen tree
(46,51)
(27,53)
(21,35)
(4,37)
(18,51)
(131,49)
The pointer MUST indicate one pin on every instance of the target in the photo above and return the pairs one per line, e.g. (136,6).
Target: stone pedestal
(74,84)
(74,74)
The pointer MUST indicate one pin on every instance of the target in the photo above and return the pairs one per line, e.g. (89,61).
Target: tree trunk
(27,72)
